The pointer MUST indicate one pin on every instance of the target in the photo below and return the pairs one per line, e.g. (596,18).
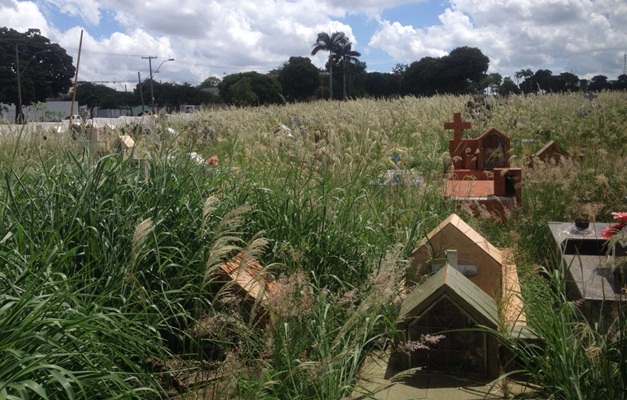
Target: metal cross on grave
(590,96)
(457,126)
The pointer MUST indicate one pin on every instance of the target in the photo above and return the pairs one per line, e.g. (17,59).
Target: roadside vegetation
(108,284)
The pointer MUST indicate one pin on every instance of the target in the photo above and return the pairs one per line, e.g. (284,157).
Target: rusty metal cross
(457,126)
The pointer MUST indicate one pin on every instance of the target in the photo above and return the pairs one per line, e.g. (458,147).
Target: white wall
(40,112)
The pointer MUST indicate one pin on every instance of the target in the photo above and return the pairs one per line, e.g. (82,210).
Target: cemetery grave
(594,265)
(481,173)
(459,280)
(334,226)
(551,153)
(398,175)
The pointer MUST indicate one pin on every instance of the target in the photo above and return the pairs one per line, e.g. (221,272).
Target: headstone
(549,153)
(481,170)
(124,143)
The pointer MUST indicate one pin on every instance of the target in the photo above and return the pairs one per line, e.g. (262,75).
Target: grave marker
(467,278)
(481,170)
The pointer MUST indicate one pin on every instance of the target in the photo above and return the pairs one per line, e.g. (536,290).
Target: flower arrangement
(609,231)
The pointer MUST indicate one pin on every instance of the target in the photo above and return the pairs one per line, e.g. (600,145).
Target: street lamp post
(152,93)
(19,115)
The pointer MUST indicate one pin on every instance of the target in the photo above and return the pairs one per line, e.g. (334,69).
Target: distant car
(75,118)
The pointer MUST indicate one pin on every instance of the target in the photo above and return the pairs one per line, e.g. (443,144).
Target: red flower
(611,230)
(213,160)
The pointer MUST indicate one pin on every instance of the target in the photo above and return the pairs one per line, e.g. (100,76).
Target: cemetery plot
(592,264)
(481,172)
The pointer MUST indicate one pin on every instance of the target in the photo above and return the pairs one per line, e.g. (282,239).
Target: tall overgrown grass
(573,357)
(108,281)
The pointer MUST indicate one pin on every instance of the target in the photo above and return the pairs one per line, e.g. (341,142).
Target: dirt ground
(379,381)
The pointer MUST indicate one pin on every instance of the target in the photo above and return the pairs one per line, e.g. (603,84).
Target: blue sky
(217,37)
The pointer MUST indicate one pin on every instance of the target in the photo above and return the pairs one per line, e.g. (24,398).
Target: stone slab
(589,275)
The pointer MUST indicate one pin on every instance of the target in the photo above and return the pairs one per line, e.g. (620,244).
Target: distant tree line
(543,80)
(31,69)
(44,70)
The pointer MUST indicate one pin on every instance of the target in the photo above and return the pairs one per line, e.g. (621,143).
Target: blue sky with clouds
(217,37)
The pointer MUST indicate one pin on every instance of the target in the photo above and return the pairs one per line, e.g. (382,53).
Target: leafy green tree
(95,95)
(567,82)
(598,83)
(125,100)
(45,69)
(508,87)
(266,89)
(493,82)
(522,75)
(422,77)
(242,93)
(463,70)
(173,95)
(357,75)
(377,84)
(398,74)
(299,78)
(620,83)
(211,82)
(333,44)
(544,80)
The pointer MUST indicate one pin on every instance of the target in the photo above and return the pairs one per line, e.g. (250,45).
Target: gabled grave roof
(456,223)
(452,283)
(248,275)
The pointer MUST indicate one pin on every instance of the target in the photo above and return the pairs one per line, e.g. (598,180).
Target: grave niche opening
(458,351)
(449,304)
(495,148)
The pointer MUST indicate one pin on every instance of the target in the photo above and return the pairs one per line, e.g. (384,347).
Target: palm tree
(523,73)
(347,55)
(333,44)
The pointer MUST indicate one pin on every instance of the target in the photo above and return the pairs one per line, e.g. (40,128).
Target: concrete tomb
(247,278)
(594,266)
(459,280)
(481,172)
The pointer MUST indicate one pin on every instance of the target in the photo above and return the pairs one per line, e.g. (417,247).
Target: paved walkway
(377,381)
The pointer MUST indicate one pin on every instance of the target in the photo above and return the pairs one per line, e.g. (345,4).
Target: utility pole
(141,92)
(152,93)
(19,116)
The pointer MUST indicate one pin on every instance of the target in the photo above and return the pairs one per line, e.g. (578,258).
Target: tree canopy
(254,89)
(462,71)
(45,69)
(299,78)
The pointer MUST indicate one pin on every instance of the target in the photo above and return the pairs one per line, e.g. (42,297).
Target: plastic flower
(213,160)
(611,230)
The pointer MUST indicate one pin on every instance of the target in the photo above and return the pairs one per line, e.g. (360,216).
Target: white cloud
(88,10)
(22,16)
(587,37)
(212,37)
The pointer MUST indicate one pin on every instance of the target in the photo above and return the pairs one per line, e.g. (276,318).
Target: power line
(180,61)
